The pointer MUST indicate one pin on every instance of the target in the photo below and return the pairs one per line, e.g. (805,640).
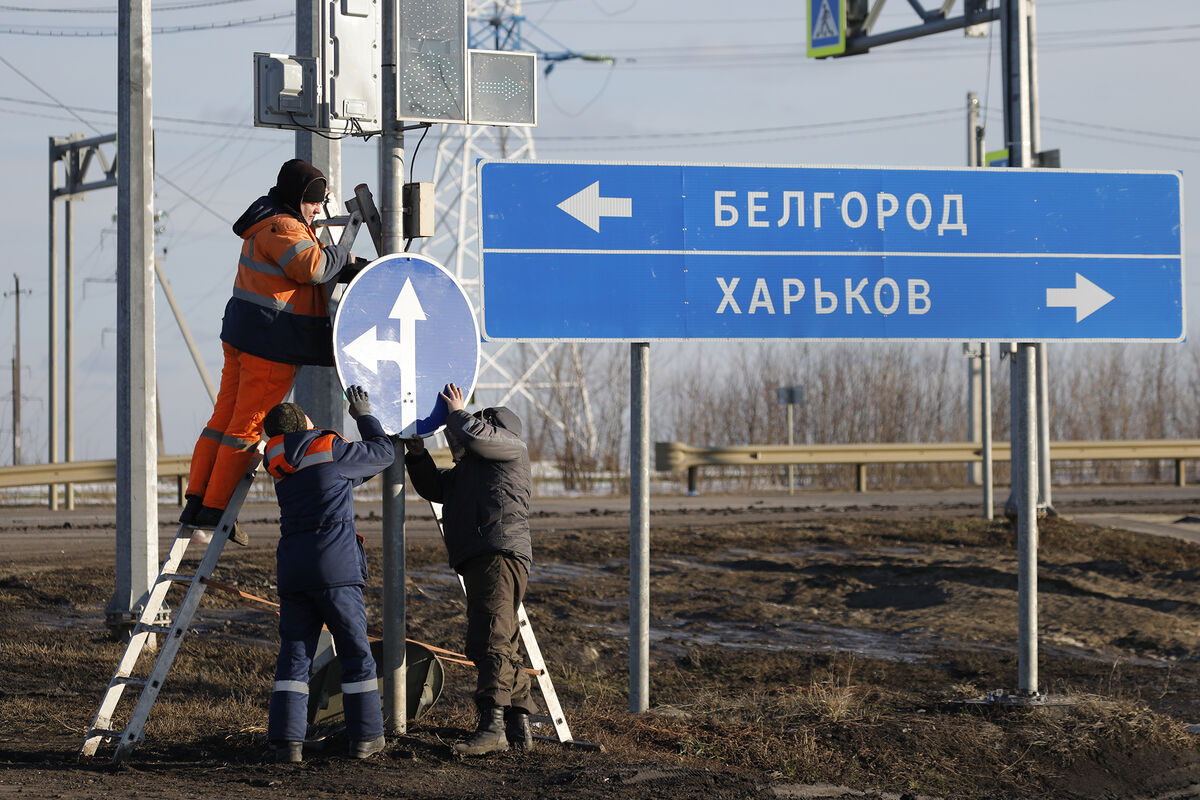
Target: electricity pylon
(548,376)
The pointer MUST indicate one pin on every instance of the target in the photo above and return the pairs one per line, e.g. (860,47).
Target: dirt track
(795,645)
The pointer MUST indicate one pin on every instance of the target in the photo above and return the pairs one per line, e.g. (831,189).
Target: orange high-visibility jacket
(278,309)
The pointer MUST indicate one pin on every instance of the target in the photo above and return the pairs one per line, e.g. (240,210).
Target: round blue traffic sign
(404,329)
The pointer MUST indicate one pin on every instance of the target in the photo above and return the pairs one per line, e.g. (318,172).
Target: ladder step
(107,733)
(127,681)
(163,629)
(175,576)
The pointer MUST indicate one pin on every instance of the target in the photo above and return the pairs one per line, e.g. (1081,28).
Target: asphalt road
(38,535)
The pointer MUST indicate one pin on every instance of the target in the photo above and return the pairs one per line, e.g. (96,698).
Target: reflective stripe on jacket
(278,310)
(314,473)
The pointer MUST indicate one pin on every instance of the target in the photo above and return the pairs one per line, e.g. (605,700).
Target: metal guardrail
(676,456)
(106,471)
(83,472)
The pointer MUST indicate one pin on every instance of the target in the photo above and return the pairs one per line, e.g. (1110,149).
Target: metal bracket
(78,156)
(861,39)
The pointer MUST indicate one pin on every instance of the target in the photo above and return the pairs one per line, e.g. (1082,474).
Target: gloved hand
(359,404)
(355,266)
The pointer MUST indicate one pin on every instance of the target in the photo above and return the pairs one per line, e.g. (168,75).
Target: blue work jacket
(314,473)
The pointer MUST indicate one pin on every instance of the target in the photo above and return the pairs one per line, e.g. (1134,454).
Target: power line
(63,106)
(664,135)
(763,130)
(801,134)
(158,7)
(1135,131)
(1122,140)
(57,102)
(96,33)
(110,112)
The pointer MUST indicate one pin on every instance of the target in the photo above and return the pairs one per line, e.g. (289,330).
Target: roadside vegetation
(722,393)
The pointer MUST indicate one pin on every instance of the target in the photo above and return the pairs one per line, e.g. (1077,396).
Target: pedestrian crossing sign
(826,28)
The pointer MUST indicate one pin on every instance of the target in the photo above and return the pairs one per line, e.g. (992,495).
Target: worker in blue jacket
(322,569)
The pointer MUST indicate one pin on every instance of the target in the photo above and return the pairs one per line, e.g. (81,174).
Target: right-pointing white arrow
(588,206)
(1086,297)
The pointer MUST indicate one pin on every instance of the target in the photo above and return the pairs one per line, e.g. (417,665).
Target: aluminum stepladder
(102,730)
(361,209)
(556,715)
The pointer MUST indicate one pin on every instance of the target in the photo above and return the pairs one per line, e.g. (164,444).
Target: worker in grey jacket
(485,521)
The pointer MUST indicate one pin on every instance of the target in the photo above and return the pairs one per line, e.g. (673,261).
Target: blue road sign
(826,28)
(638,252)
(404,329)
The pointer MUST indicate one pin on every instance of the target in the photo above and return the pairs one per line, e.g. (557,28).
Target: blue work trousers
(301,615)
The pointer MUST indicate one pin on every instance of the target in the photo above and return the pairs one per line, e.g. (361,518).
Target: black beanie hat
(285,418)
(298,181)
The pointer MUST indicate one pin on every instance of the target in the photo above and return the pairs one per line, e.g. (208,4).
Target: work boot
(516,728)
(190,509)
(367,748)
(288,752)
(489,736)
(208,517)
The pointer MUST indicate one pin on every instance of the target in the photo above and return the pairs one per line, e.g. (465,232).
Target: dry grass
(787,714)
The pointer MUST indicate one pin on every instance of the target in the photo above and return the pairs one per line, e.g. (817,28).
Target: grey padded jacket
(485,495)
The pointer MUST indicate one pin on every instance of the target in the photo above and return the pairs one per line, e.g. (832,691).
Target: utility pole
(52,322)
(16,371)
(68,323)
(393,671)
(979,397)
(974,354)
(137,451)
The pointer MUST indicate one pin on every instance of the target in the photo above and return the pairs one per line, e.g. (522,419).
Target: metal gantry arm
(860,39)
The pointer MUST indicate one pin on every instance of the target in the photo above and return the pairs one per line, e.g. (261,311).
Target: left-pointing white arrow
(1085,297)
(588,206)
(369,350)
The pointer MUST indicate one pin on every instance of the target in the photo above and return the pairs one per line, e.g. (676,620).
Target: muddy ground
(852,655)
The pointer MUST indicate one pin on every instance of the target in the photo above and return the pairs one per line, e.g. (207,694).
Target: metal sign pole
(985,409)
(1015,31)
(1025,438)
(391,180)
(791,426)
(639,527)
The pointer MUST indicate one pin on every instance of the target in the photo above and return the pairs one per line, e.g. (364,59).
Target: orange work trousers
(250,387)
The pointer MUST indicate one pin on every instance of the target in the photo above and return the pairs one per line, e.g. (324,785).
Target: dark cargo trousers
(495,585)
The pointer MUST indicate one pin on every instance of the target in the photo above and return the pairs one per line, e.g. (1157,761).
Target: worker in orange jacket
(276,320)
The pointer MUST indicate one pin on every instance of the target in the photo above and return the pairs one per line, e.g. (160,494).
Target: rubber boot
(288,752)
(368,748)
(517,730)
(489,737)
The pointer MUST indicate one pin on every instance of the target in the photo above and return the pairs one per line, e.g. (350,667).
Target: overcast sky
(687,82)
